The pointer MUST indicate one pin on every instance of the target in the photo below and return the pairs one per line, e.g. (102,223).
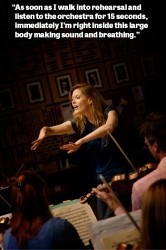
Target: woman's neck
(89,116)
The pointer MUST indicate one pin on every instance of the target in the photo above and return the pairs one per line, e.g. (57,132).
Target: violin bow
(117,144)
(118,201)
(18,172)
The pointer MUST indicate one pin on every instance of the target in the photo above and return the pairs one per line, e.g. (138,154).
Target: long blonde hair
(96,108)
(153,225)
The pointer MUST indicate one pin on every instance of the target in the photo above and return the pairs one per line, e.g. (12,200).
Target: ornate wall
(36,77)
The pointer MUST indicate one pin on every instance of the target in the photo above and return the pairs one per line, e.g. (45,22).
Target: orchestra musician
(32,225)
(153,226)
(153,218)
(153,130)
(91,120)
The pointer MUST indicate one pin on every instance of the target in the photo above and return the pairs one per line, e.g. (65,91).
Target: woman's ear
(89,101)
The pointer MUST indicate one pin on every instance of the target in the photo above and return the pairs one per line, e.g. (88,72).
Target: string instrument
(123,245)
(122,183)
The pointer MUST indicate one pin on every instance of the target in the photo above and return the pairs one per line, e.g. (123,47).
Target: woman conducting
(92,120)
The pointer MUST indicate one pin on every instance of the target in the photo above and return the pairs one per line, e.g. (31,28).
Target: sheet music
(78,214)
(6,215)
(106,234)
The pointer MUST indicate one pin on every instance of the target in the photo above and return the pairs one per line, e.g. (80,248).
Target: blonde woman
(91,121)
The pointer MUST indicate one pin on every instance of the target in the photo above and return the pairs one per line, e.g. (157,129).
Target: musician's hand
(70,147)
(102,195)
(107,197)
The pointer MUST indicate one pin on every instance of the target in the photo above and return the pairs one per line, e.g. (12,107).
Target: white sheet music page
(80,215)
(107,234)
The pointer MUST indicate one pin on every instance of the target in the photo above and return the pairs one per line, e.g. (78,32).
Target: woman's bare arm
(61,129)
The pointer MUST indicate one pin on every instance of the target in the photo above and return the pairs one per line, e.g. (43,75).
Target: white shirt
(140,186)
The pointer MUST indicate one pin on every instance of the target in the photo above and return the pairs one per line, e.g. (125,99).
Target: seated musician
(32,224)
(153,130)
(153,219)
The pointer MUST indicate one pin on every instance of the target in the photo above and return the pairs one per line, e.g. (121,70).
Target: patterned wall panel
(46,70)
(14,130)
(140,45)
(57,55)
(61,83)
(37,118)
(46,116)
(22,127)
(24,157)
(95,75)
(6,62)
(146,67)
(120,72)
(11,160)
(19,130)
(34,92)
(86,51)
(28,60)
(49,149)
(114,48)
(10,98)
(7,162)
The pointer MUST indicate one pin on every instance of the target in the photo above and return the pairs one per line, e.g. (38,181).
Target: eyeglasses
(146,146)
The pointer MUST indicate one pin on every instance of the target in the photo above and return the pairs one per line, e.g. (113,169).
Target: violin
(122,183)
(125,246)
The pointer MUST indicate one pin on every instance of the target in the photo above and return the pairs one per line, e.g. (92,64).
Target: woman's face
(80,102)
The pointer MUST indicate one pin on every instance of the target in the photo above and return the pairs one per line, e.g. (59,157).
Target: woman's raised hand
(36,143)
(42,135)
(71,147)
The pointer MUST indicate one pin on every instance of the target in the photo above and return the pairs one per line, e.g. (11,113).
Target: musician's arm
(109,200)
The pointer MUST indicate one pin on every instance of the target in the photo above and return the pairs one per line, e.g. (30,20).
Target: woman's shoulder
(56,220)
(54,226)
(9,239)
(60,222)
(108,108)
